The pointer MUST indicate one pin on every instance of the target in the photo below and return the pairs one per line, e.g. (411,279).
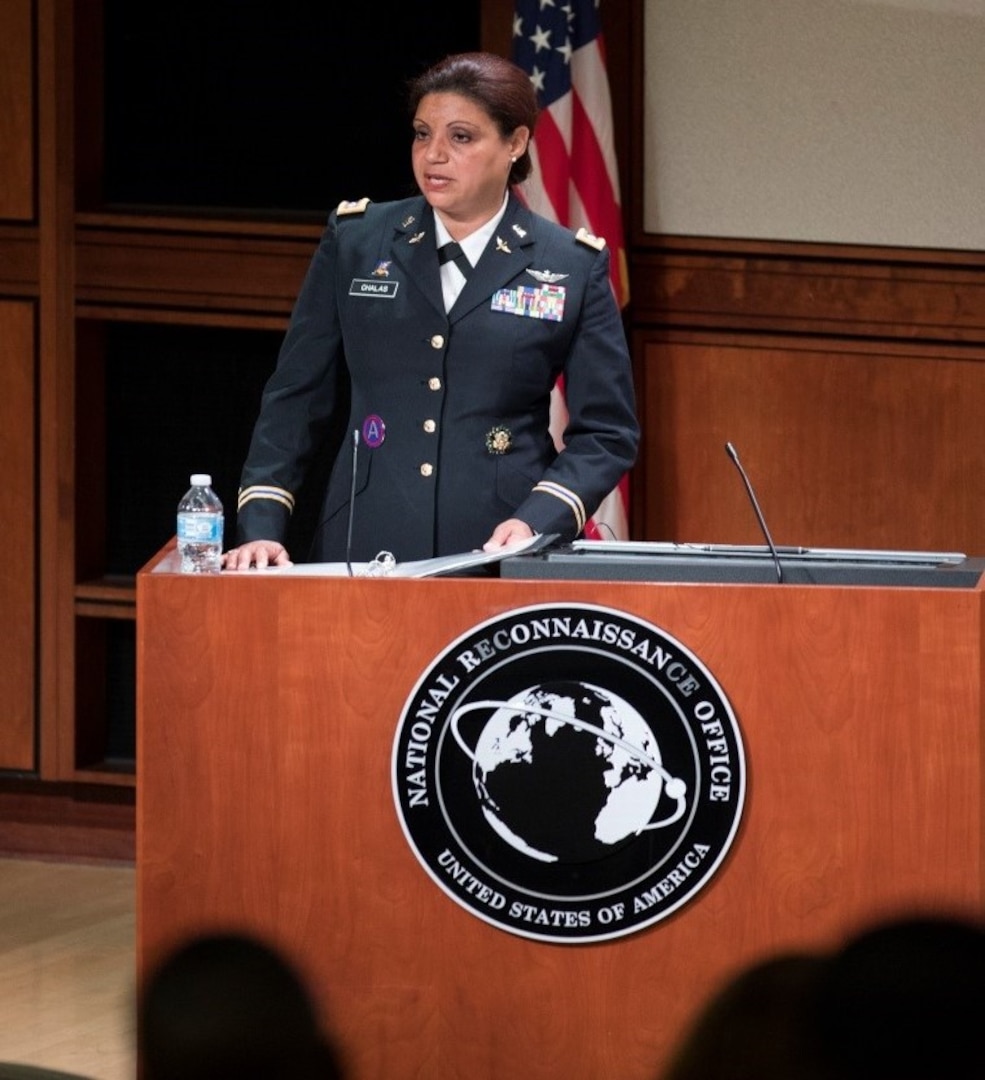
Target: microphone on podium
(733,454)
(352,501)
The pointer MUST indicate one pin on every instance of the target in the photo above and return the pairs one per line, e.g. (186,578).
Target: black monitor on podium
(616,560)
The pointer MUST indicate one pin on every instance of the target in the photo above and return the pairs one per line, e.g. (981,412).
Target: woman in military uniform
(445,357)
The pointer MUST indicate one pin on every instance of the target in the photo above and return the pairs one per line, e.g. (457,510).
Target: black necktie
(451,252)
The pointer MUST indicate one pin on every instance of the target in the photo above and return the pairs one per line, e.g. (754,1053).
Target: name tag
(375,290)
(543,302)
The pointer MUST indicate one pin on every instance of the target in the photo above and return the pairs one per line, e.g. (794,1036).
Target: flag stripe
(552,180)
(592,87)
(591,180)
(575,180)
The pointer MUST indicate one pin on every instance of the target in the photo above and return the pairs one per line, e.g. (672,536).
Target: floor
(67,963)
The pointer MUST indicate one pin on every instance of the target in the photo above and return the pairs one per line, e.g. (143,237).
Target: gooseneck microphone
(352,501)
(731,451)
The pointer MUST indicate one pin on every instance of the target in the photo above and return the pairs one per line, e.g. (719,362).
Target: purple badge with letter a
(374,431)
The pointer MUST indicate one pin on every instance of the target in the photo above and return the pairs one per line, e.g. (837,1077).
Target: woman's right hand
(256,553)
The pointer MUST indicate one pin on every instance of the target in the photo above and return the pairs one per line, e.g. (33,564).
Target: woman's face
(461,162)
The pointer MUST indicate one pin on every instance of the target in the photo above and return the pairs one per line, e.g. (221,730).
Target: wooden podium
(266,719)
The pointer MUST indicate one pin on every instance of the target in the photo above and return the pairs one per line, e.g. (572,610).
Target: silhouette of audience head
(753,1026)
(224,1006)
(904,999)
(900,999)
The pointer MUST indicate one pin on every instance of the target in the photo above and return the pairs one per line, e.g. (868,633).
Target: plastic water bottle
(200,528)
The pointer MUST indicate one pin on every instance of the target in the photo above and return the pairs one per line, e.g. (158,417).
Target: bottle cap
(201,479)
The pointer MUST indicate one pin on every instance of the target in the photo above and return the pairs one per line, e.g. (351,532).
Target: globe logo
(566,771)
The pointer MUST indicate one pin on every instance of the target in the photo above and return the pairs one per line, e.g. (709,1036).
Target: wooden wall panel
(190,269)
(18,668)
(16,111)
(775,287)
(847,444)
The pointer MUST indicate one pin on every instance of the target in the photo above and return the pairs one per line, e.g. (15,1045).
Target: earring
(513,160)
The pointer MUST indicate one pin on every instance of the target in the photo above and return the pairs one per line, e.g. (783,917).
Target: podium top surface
(670,563)
(752,564)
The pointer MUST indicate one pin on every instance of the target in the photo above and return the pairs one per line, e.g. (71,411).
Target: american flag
(574,180)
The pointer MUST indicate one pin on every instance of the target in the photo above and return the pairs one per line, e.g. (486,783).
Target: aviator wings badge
(547,277)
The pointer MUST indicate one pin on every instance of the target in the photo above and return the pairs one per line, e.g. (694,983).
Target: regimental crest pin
(499,440)
(382,268)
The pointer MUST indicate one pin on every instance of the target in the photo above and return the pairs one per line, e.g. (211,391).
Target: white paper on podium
(421,568)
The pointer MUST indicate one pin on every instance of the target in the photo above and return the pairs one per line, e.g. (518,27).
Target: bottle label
(200,528)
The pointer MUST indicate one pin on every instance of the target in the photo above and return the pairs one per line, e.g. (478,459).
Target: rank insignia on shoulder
(583,236)
(356,207)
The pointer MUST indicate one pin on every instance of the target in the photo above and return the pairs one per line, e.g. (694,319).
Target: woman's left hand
(508,532)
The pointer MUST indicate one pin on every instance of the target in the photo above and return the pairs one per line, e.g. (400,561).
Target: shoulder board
(358,207)
(583,236)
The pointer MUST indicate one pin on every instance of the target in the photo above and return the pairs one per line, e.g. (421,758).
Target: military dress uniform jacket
(451,409)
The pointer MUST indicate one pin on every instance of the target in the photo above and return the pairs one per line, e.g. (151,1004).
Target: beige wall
(840,121)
